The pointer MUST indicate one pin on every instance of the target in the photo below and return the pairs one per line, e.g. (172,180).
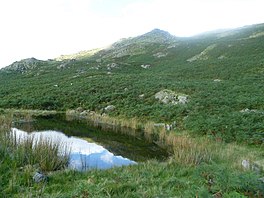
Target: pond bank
(183,148)
(222,176)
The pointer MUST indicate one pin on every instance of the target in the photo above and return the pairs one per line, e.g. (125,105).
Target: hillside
(211,84)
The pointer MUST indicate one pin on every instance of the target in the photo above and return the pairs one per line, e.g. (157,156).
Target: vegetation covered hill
(210,86)
(220,74)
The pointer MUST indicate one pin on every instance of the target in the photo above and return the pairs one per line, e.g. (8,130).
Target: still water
(90,147)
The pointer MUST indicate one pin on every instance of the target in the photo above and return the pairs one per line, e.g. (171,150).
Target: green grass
(198,167)
(150,179)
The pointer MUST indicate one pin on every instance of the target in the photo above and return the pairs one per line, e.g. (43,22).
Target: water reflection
(133,147)
(83,154)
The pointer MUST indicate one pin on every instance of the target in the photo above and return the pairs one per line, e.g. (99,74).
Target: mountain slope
(221,73)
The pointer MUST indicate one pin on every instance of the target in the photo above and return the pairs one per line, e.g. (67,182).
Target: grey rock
(168,127)
(246,110)
(221,57)
(109,108)
(141,96)
(145,66)
(160,55)
(217,80)
(111,66)
(170,97)
(256,168)
(24,65)
(39,177)
(84,113)
(183,99)
(245,164)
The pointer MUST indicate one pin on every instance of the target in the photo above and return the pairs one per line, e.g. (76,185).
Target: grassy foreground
(198,168)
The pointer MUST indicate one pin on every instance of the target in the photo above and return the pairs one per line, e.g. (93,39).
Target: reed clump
(30,150)
(183,148)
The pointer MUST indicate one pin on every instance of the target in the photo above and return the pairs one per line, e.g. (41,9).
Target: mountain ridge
(154,36)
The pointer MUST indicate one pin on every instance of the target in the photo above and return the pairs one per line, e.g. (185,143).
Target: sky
(49,28)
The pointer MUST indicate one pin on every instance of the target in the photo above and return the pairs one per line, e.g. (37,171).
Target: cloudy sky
(48,28)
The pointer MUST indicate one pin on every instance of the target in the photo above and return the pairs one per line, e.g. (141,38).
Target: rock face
(23,65)
(203,55)
(170,97)
(138,45)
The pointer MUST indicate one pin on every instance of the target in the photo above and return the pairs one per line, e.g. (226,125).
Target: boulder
(109,108)
(182,99)
(217,80)
(257,166)
(84,113)
(245,164)
(170,97)
(141,96)
(145,66)
(39,177)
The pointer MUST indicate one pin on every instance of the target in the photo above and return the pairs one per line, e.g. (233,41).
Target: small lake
(91,147)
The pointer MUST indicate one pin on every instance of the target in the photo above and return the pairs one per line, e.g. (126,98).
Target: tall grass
(29,150)
(183,148)
(47,154)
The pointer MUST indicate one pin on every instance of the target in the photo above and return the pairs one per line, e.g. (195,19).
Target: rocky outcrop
(170,97)
(247,110)
(203,55)
(24,65)
(138,45)
(111,66)
(160,55)
(222,57)
(257,166)
(256,35)
(145,66)
(66,64)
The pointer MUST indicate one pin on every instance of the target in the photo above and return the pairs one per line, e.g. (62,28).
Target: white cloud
(47,28)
